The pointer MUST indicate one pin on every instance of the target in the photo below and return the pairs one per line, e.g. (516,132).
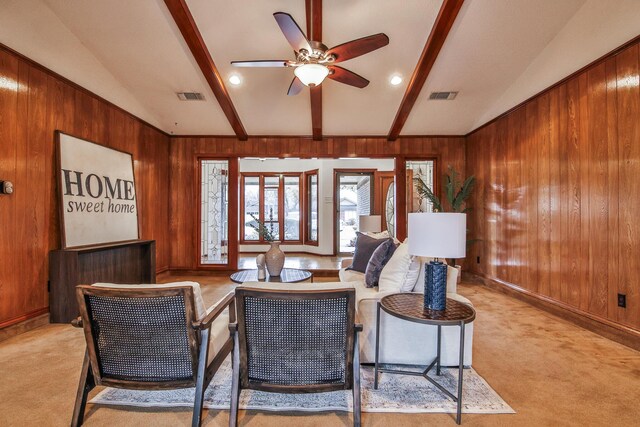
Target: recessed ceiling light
(395,80)
(235,79)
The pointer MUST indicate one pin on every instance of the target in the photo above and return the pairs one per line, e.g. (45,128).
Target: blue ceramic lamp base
(435,286)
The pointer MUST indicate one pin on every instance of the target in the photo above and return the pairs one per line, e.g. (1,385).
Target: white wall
(325,171)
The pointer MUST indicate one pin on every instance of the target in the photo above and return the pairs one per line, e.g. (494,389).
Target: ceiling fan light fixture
(311,74)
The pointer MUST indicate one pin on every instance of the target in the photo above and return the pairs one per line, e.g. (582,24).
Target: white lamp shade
(311,74)
(438,235)
(370,223)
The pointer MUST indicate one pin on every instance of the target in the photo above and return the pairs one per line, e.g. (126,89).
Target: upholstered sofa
(401,341)
(405,342)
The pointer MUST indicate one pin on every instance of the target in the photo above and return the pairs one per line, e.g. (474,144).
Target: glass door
(353,197)
(214,212)
(420,180)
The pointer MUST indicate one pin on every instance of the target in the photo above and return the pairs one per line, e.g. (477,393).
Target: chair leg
(202,365)
(235,383)
(87,383)
(356,382)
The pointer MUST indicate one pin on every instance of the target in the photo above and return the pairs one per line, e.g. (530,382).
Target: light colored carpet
(552,372)
(396,393)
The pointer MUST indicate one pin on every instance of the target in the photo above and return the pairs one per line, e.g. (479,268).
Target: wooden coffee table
(287,275)
(410,307)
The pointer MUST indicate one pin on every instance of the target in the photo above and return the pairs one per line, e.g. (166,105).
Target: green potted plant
(456,192)
(262,230)
(274,257)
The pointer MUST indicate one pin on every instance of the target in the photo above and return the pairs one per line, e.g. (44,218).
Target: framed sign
(96,193)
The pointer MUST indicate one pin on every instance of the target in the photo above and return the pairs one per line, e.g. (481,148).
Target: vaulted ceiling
(496,54)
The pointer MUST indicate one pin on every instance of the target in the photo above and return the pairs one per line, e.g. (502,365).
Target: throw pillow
(378,260)
(396,275)
(365,246)
(413,273)
(381,235)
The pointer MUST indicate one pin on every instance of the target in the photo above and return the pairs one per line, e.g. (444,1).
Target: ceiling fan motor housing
(318,54)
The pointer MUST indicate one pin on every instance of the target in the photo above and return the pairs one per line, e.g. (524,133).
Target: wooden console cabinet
(130,262)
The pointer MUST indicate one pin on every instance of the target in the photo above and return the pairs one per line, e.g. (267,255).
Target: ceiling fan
(314,61)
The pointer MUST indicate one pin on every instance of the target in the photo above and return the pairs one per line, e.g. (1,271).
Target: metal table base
(435,363)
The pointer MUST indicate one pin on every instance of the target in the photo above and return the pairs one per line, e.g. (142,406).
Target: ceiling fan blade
(358,47)
(347,77)
(292,32)
(261,63)
(295,87)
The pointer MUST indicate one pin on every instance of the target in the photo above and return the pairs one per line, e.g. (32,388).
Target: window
(271,203)
(311,207)
(214,213)
(273,199)
(251,195)
(292,208)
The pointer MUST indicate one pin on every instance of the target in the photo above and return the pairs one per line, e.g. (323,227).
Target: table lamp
(370,223)
(437,235)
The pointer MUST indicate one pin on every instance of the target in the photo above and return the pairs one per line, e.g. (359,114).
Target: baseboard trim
(605,327)
(24,324)
(162,270)
(24,317)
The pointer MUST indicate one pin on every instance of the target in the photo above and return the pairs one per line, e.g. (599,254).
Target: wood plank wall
(557,203)
(34,102)
(185,150)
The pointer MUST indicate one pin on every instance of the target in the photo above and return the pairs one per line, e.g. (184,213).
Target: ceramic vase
(274,259)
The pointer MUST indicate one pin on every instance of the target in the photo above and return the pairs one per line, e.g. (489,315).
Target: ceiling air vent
(446,96)
(190,96)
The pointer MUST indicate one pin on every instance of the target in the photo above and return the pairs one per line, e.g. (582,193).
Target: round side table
(287,275)
(410,307)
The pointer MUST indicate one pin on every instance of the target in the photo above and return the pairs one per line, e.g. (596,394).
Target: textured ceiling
(498,53)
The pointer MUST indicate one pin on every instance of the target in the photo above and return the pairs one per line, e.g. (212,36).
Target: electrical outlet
(6,187)
(478,260)
(622,300)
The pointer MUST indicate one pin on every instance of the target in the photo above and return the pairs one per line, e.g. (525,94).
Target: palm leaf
(455,192)
(463,193)
(262,229)
(450,187)
(424,191)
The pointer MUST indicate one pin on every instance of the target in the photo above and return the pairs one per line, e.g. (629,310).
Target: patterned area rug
(396,393)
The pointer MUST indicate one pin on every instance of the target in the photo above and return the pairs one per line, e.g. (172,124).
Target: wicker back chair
(149,339)
(295,342)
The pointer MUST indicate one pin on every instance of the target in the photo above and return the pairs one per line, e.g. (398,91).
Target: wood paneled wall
(185,150)
(557,204)
(35,102)
(555,207)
